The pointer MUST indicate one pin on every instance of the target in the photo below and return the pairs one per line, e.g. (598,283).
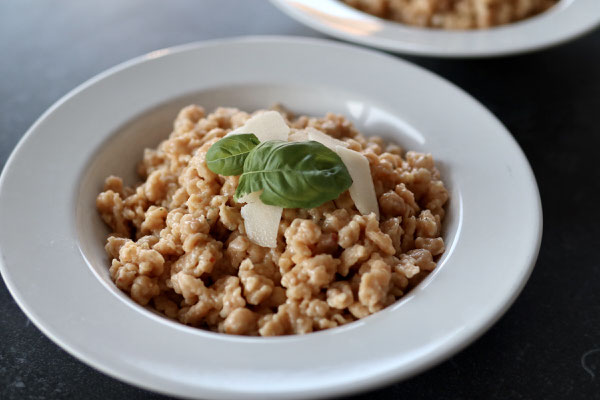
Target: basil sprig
(227,156)
(289,174)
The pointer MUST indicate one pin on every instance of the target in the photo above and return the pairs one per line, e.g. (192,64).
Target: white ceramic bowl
(51,238)
(565,21)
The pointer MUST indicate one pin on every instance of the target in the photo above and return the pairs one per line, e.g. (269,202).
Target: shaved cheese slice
(362,190)
(298,135)
(269,125)
(250,198)
(324,139)
(261,220)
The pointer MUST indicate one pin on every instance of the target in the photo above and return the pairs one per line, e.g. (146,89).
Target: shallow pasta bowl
(51,238)
(565,21)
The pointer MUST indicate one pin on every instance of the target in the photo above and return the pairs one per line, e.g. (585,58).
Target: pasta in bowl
(186,245)
(453,14)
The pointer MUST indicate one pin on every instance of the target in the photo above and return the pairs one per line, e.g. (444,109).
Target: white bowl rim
(451,346)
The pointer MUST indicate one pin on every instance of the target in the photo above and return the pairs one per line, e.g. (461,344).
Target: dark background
(547,346)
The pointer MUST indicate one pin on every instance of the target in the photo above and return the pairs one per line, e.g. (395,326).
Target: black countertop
(547,346)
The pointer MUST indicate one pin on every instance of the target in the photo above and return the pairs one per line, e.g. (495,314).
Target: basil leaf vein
(227,156)
(294,174)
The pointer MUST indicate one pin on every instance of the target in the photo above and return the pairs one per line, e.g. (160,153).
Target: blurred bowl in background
(567,20)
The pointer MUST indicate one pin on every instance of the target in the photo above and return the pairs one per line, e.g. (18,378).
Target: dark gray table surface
(547,346)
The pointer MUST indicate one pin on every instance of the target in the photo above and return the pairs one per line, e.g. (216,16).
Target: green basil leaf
(294,174)
(227,156)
